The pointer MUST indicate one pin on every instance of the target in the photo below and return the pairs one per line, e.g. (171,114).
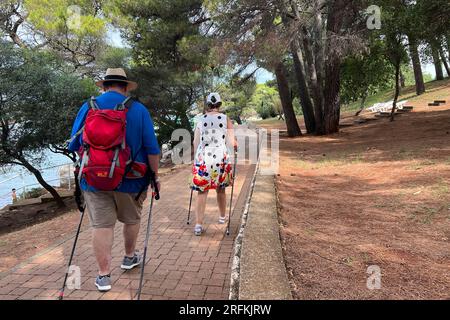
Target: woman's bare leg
(222,201)
(201,205)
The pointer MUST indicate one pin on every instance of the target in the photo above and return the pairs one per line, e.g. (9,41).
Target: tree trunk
(444,61)
(447,40)
(40,179)
(313,84)
(305,99)
(402,79)
(332,106)
(437,63)
(397,89)
(286,101)
(418,76)
(319,45)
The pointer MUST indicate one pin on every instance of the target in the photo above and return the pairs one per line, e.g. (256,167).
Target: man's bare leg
(102,240)
(130,234)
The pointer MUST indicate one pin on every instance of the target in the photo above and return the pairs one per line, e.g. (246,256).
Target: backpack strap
(68,142)
(126,104)
(93,104)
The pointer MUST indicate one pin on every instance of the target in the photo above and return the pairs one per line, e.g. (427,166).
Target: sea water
(27,179)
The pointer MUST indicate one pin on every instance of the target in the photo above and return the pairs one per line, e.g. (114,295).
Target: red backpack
(105,156)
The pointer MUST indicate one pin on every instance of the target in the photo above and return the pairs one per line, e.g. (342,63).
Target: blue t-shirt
(140,136)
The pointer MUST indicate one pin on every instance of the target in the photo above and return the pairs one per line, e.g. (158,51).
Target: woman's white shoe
(198,230)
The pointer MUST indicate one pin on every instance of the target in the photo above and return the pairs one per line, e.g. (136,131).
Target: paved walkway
(180,265)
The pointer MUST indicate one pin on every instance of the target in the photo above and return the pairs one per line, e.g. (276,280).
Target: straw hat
(117,75)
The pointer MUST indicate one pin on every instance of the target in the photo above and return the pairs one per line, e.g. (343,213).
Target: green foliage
(74,29)
(171,58)
(366,74)
(236,95)
(112,57)
(297,106)
(266,101)
(32,193)
(55,17)
(39,102)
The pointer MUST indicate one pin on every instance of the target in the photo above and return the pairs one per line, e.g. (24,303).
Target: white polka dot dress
(211,168)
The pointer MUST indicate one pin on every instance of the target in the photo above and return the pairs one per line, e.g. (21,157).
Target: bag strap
(126,104)
(130,163)
(68,142)
(93,104)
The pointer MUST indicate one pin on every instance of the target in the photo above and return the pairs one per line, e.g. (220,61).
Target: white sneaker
(222,220)
(198,230)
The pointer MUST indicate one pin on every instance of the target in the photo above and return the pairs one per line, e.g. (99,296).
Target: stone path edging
(258,269)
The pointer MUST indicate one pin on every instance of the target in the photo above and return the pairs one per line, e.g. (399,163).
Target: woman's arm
(196,139)
(230,133)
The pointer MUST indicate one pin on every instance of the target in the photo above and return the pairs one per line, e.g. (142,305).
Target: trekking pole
(155,195)
(81,208)
(190,204)
(232,189)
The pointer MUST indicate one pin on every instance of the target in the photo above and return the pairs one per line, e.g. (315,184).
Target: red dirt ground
(373,194)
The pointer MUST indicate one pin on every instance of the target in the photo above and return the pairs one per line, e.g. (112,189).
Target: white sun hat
(213,98)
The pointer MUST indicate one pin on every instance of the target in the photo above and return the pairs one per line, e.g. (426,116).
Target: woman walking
(212,168)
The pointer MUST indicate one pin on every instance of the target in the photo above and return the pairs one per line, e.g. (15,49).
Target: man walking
(140,147)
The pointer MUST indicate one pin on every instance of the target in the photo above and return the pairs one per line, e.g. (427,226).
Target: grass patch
(348,261)
(392,203)
(408,93)
(366,257)
(302,164)
(337,160)
(309,231)
(269,121)
(440,190)
(403,154)
(424,214)
(421,164)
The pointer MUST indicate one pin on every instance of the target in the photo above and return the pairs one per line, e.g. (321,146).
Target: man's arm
(151,144)
(153,161)
(75,144)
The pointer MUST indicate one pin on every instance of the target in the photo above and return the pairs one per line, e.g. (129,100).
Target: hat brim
(131,84)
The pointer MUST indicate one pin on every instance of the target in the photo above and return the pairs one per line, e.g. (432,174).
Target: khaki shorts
(106,207)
